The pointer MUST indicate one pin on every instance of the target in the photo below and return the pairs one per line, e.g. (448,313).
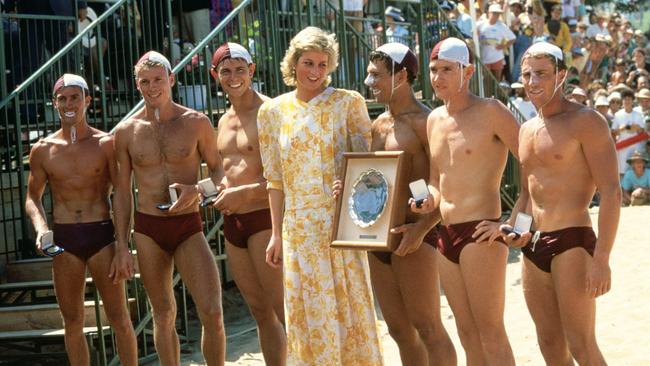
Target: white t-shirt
(639,109)
(399,35)
(352,5)
(622,118)
(569,8)
(89,40)
(595,29)
(491,35)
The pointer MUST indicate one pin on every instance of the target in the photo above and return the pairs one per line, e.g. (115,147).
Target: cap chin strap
(556,87)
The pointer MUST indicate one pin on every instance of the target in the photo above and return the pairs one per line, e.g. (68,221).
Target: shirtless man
(243,200)
(410,307)
(163,144)
(469,138)
(78,163)
(566,154)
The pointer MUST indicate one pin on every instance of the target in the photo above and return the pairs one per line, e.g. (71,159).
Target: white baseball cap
(155,57)
(451,49)
(545,48)
(69,80)
(400,54)
(231,50)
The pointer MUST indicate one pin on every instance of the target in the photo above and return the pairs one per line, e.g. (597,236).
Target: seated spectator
(86,16)
(627,124)
(643,99)
(636,181)
(521,101)
(395,32)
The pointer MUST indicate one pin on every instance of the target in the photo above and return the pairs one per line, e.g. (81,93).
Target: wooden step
(46,316)
(36,285)
(34,269)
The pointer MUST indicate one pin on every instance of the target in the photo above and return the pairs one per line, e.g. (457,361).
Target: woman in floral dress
(330,316)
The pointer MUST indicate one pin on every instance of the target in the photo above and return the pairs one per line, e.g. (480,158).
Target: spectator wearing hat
(599,27)
(627,123)
(396,32)
(521,101)
(639,38)
(602,106)
(643,99)
(578,95)
(615,101)
(462,21)
(559,30)
(636,181)
(494,37)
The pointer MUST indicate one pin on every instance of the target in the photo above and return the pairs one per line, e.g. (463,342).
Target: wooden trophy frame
(395,167)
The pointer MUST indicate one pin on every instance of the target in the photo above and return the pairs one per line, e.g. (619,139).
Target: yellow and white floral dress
(330,314)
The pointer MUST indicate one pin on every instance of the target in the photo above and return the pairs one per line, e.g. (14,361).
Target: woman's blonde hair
(309,39)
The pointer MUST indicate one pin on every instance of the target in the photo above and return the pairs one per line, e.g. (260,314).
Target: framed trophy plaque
(374,199)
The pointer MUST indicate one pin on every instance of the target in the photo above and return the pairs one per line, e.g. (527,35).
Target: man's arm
(122,266)
(123,196)
(592,133)
(35,187)
(488,231)
(432,202)
(505,126)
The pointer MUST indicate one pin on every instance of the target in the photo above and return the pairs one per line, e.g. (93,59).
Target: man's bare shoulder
(585,122)
(191,116)
(489,106)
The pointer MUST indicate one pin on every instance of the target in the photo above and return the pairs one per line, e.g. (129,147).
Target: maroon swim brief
(84,239)
(431,238)
(453,238)
(168,231)
(238,228)
(553,243)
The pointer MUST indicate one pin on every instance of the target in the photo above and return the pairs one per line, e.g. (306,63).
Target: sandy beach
(623,319)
